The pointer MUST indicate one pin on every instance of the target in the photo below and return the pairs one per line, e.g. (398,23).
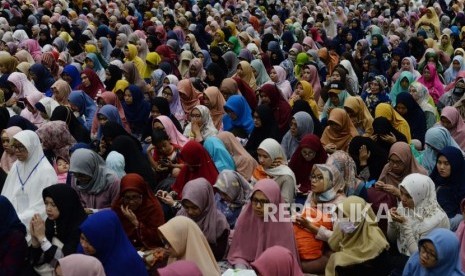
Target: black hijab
(164,108)
(376,161)
(415,116)
(218,73)
(116,74)
(382,126)
(21,122)
(79,132)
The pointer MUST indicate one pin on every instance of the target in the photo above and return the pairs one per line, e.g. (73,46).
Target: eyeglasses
(396,163)
(19,148)
(196,116)
(308,153)
(316,178)
(262,202)
(166,94)
(429,254)
(132,198)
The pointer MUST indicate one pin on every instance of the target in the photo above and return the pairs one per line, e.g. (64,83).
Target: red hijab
(281,109)
(95,84)
(149,214)
(247,92)
(198,163)
(303,168)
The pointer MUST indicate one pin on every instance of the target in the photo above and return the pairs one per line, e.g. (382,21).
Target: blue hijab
(138,112)
(397,88)
(207,60)
(448,255)
(97,64)
(111,113)
(219,154)
(45,79)
(9,218)
(238,104)
(85,105)
(105,233)
(74,74)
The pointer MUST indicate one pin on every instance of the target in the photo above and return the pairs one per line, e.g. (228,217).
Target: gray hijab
(304,126)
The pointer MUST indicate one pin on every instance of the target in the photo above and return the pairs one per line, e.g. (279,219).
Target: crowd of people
(157,138)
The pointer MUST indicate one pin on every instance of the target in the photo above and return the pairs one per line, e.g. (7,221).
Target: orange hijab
(341,137)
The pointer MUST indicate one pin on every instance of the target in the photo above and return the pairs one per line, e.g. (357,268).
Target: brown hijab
(342,137)
(217,103)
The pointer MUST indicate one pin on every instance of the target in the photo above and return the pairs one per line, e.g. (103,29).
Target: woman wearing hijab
(409,109)
(201,124)
(136,109)
(304,91)
(401,163)
(273,164)
(259,71)
(368,157)
(277,260)
(337,95)
(77,130)
(271,96)
(171,94)
(33,174)
(387,111)
(58,235)
(253,235)
(232,194)
(219,154)
(229,63)
(360,249)
(14,250)
(278,76)
(455,67)
(91,84)
(130,53)
(56,138)
(453,122)
(185,241)
(442,249)
(169,127)
(401,85)
(359,115)
(384,134)
(30,112)
(96,185)
(214,100)
(85,107)
(339,132)
(139,211)
(110,98)
(135,160)
(416,215)
(420,93)
(113,74)
(431,80)
(161,107)
(8,156)
(92,62)
(198,203)
(244,71)
(61,90)
(407,64)
(301,124)
(79,264)
(43,79)
(376,93)
(189,95)
(265,126)
(238,117)
(21,86)
(46,106)
(103,236)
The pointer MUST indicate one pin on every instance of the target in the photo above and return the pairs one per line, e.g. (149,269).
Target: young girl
(61,168)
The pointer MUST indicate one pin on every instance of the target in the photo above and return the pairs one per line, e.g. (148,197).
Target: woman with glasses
(96,185)
(257,229)
(201,124)
(417,214)
(139,211)
(30,174)
(438,254)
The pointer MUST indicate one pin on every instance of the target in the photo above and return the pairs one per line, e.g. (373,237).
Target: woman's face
(317,180)
(428,255)
(192,210)
(414,92)
(396,165)
(404,83)
(51,209)
(273,75)
(444,40)
(132,199)
(427,74)
(293,128)
(401,109)
(308,154)
(89,63)
(443,166)
(374,41)
(6,144)
(85,80)
(259,200)
(446,123)
(255,72)
(264,98)
(167,94)
(306,74)
(102,119)
(374,87)
(256,120)
(192,71)
(128,97)
(239,71)
(336,76)
(196,116)
(406,199)
(20,150)
(264,159)
(86,246)
(334,99)
(456,65)
(405,65)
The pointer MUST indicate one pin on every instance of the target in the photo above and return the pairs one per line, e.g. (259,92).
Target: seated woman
(76,128)
(420,93)
(304,91)
(254,233)
(107,113)
(271,96)
(136,109)
(436,139)
(56,140)
(79,264)
(13,252)
(277,260)
(189,95)
(400,164)
(395,119)
(164,106)
(438,254)
(198,203)
(359,115)
(103,237)
(273,164)
(8,156)
(385,135)
(417,214)
(238,117)
(232,193)
(81,103)
(96,186)
(451,119)
(309,152)
(337,96)
(214,100)
(449,179)
(359,245)
(301,124)
(201,124)
(376,93)
(401,85)
(339,132)
(139,211)
(58,235)
(265,126)
(368,156)
(409,109)
(165,123)
(219,154)
(245,163)
(184,240)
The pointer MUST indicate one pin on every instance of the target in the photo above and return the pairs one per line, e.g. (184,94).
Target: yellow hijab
(397,121)
(308,96)
(363,117)
(138,62)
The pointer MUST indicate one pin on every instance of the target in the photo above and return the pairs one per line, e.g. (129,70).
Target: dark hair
(158,136)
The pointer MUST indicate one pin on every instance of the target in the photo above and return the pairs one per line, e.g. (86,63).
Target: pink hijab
(211,221)
(277,260)
(458,126)
(282,83)
(314,80)
(80,264)
(34,118)
(175,136)
(7,159)
(434,85)
(252,235)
